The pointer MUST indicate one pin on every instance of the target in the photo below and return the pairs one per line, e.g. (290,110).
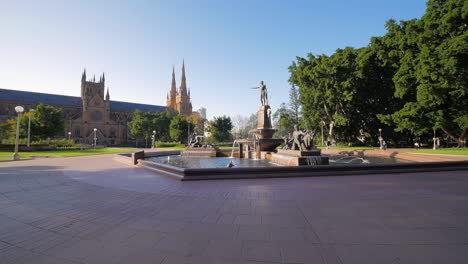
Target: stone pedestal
(200,152)
(299,158)
(264,129)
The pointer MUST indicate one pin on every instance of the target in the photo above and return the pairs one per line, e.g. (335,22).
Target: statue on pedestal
(263,93)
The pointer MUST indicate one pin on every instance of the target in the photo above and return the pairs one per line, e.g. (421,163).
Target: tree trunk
(461,139)
(330,131)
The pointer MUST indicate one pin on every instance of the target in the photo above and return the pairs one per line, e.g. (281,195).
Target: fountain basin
(190,174)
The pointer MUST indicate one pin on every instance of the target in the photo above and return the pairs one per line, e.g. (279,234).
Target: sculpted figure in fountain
(299,140)
(195,140)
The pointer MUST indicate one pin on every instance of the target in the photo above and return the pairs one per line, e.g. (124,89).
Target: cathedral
(179,100)
(93,114)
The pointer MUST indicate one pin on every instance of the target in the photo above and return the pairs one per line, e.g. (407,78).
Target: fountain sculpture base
(299,158)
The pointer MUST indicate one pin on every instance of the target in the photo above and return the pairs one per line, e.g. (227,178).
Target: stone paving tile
(182,246)
(171,259)
(301,253)
(226,218)
(253,233)
(224,249)
(248,220)
(262,251)
(285,221)
(98,214)
(287,234)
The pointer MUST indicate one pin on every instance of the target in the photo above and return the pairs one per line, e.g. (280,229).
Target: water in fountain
(313,160)
(351,160)
(233,145)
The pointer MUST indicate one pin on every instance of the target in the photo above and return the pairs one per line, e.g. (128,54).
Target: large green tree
(432,77)
(179,129)
(220,128)
(46,121)
(327,85)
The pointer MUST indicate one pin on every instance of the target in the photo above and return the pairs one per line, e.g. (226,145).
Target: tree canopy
(408,82)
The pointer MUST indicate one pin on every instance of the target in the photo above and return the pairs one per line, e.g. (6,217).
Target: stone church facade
(94,109)
(179,100)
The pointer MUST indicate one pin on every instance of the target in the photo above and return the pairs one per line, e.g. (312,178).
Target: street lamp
(322,123)
(19,109)
(69,137)
(29,127)
(95,138)
(153,138)
(380,138)
(434,139)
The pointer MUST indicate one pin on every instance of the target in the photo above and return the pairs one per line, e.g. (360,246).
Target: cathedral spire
(173,84)
(104,79)
(83,76)
(183,83)
(107,94)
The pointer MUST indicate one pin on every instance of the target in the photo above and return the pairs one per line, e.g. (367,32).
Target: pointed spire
(103,78)
(107,94)
(189,92)
(94,78)
(83,76)
(183,82)
(173,85)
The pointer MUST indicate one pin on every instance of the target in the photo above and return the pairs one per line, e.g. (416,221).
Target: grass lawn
(348,148)
(447,151)
(7,155)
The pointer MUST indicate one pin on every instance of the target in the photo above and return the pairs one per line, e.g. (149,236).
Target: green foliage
(284,120)
(144,123)
(46,121)
(408,82)
(179,129)
(220,128)
(432,77)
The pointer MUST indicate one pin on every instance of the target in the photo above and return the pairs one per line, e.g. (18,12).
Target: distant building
(82,114)
(179,100)
(94,109)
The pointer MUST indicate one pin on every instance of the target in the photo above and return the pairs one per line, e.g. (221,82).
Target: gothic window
(77,132)
(96,116)
(112,132)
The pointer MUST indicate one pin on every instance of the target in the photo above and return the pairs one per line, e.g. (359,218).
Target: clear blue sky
(228,46)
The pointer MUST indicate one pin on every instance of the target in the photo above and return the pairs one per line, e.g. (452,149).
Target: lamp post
(69,137)
(434,139)
(153,139)
(380,138)
(19,109)
(95,138)
(322,124)
(188,134)
(29,127)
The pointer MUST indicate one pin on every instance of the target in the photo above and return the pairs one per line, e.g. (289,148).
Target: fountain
(263,145)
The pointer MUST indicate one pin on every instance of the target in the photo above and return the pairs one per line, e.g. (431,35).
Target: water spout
(233,145)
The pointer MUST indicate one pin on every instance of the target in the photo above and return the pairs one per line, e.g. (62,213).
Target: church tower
(180,100)
(96,108)
(171,97)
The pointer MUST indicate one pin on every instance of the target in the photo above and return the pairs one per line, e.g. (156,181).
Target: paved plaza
(98,210)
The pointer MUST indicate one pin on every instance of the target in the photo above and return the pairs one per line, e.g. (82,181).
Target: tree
(136,126)
(295,104)
(284,120)
(220,128)
(432,76)
(327,85)
(197,123)
(46,121)
(178,129)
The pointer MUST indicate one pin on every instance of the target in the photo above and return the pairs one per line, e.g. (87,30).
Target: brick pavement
(98,210)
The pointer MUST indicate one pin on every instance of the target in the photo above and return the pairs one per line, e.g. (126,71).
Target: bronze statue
(263,93)
(195,140)
(299,140)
